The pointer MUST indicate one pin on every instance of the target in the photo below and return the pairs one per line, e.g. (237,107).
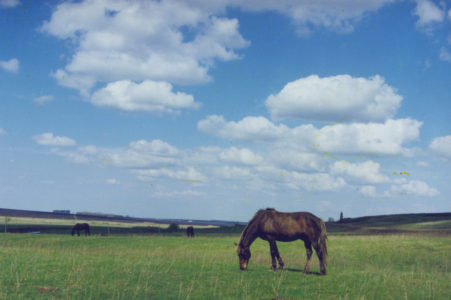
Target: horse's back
(290,226)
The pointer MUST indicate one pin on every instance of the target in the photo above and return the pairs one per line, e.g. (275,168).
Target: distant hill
(109,217)
(436,223)
(439,223)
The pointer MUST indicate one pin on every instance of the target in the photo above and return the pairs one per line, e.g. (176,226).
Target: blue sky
(212,110)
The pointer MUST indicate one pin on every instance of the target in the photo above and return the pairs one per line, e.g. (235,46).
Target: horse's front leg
(272,246)
(275,254)
(281,264)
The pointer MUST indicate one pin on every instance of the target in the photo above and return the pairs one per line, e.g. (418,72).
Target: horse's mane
(253,222)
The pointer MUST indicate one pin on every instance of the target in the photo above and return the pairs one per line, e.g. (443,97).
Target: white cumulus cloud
(290,159)
(43,99)
(308,15)
(413,187)
(423,164)
(149,96)
(9,3)
(155,147)
(368,191)
(48,139)
(386,138)
(378,138)
(11,65)
(189,174)
(250,128)
(141,40)
(240,156)
(137,155)
(234,173)
(335,98)
(112,181)
(428,13)
(313,181)
(442,146)
(141,154)
(365,172)
(445,55)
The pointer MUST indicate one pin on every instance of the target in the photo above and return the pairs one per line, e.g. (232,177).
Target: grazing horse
(81,226)
(271,225)
(190,231)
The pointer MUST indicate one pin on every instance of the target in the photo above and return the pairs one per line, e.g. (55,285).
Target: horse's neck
(249,235)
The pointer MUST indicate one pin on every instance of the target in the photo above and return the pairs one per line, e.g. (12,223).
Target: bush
(173,227)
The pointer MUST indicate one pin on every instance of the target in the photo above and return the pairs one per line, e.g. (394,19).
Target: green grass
(206,267)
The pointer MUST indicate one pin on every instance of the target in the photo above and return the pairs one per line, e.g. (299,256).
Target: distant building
(61,211)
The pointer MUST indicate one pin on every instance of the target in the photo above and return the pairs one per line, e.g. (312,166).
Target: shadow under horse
(271,225)
(190,231)
(79,227)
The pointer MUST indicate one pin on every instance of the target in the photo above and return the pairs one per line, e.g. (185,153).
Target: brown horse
(190,231)
(81,226)
(271,225)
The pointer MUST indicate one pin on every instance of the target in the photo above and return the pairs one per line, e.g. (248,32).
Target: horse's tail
(73,230)
(322,241)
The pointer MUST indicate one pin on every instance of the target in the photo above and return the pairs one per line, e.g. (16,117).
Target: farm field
(399,266)
(64,226)
(24,221)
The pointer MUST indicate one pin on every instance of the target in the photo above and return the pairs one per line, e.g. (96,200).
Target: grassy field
(206,267)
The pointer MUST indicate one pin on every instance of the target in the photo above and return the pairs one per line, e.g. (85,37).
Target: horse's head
(244,254)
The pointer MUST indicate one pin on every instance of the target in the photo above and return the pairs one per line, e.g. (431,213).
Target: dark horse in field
(271,225)
(81,226)
(190,231)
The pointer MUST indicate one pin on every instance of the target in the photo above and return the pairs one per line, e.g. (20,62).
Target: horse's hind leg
(308,248)
(320,255)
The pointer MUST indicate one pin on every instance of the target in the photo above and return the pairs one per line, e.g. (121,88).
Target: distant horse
(190,231)
(81,226)
(271,225)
